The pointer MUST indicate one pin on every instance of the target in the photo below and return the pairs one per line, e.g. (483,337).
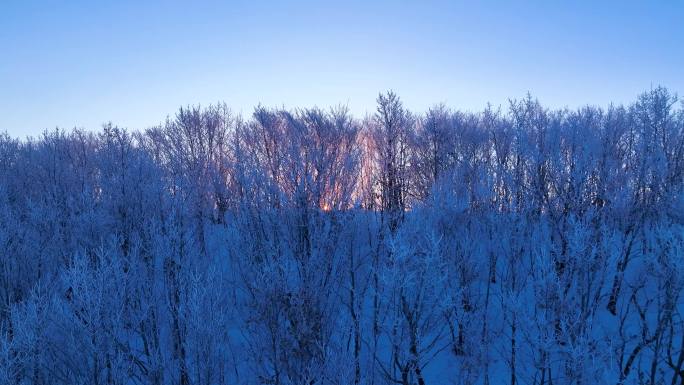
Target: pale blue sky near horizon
(80,63)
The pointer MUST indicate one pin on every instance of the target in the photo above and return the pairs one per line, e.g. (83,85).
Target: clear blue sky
(82,63)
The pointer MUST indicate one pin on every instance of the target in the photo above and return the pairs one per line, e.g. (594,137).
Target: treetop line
(519,246)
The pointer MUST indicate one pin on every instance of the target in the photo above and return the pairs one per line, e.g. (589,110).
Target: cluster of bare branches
(520,245)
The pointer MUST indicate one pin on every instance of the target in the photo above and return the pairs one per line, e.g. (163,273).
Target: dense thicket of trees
(516,246)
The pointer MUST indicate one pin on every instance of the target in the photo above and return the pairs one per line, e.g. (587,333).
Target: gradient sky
(81,63)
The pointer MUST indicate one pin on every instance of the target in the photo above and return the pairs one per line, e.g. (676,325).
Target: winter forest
(516,245)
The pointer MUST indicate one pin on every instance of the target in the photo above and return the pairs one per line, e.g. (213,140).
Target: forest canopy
(518,245)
